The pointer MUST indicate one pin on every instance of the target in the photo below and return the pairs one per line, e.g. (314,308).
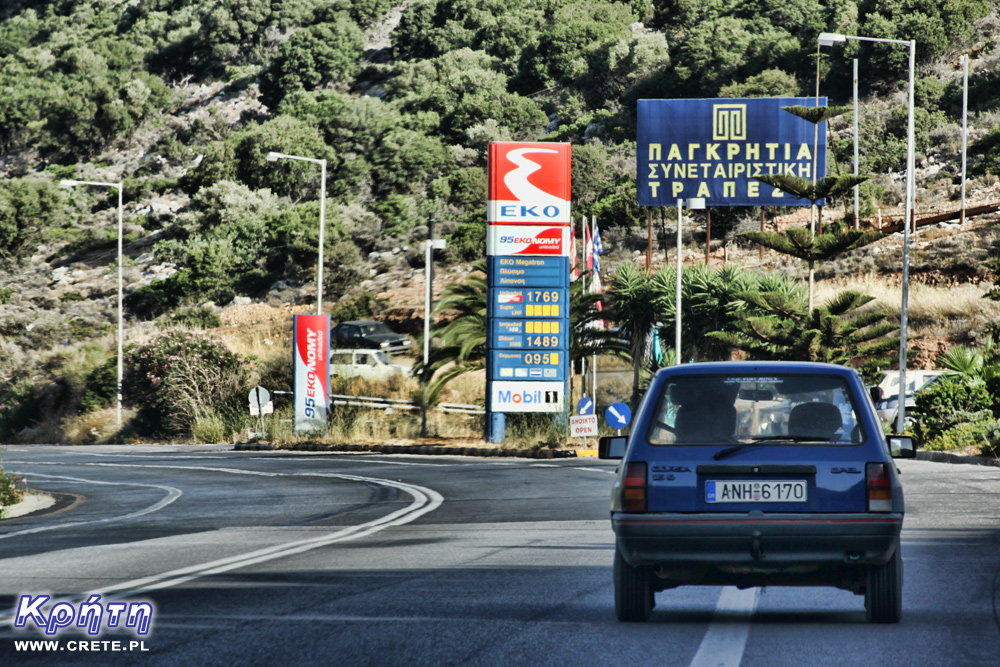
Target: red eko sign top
(529,184)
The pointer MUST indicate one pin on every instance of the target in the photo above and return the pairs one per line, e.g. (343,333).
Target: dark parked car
(369,334)
(757,474)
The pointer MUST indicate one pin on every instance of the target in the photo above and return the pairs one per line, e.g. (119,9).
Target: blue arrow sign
(585,406)
(618,415)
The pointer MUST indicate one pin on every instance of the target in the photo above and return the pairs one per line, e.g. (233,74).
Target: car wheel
(633,591)
(884,592)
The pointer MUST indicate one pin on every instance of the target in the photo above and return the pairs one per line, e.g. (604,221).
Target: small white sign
(582,426)
(267,408)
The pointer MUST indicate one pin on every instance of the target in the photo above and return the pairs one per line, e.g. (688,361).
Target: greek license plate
(787,491)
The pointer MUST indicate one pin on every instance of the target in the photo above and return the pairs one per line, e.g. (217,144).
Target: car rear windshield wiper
(765,439)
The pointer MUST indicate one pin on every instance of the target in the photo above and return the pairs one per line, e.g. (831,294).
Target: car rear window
(712,410)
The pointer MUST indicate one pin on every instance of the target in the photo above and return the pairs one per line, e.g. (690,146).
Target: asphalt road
(348,559)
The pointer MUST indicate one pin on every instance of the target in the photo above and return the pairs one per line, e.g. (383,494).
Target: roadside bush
(99,387)
(17,408)
(948,404)
(985,434)
(178,380)
(9,493)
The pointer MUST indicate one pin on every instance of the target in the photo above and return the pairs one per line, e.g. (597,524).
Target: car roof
(741,367)
(363,322)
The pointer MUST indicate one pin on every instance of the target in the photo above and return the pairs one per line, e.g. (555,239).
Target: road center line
(424,500)
(726,638)
(172,495)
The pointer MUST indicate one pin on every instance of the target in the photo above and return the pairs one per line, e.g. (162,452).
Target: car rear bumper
(757,541)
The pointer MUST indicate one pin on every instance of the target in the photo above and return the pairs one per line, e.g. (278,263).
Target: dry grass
(933,312)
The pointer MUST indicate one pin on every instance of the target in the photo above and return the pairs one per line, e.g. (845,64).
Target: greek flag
(598,249)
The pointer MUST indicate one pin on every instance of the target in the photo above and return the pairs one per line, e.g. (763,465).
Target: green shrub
(948,404)
(9,493)
(363,307)
(99,387)
(179,379)
(985,434)
(18,407)
(197,318)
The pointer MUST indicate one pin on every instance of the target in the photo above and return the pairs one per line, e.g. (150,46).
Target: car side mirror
(902,447)
(612,447)
(875,393)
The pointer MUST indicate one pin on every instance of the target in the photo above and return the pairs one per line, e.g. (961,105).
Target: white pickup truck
(368,364)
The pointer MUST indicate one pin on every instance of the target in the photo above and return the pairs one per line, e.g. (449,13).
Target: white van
(368,364)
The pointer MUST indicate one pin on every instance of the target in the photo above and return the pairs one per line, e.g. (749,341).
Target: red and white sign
(529,184)
(528,240)
(582,426)
(312,372)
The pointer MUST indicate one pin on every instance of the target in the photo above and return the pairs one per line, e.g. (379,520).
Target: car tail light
(879,488)
(634,493)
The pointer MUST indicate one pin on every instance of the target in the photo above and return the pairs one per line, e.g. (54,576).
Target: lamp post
(274,157)
(828,39)
(69,183)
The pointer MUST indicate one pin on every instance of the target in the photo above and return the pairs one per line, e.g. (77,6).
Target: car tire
(633,591)
(884,590)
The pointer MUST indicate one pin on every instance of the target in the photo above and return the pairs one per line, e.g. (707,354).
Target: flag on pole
(574,271)
(598,249)
(588,248)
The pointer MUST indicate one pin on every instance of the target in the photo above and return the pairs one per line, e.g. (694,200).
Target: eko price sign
(530,302)
(528,365)
(528,271)
(529,335)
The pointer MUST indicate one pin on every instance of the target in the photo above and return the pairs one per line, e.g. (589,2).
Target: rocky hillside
(181,100)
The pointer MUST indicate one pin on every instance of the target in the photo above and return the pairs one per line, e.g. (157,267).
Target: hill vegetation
(181,100)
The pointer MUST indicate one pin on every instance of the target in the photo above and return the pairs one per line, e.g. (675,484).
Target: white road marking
(726,637)
(424,500)
(606,471)
(172,495)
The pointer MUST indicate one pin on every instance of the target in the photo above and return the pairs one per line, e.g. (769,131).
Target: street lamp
(274,157)
(70,183)
(828,39)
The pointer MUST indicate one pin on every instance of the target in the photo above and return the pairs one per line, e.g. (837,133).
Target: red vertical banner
(311,341)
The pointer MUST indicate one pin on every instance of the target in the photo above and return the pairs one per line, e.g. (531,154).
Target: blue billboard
(712,149)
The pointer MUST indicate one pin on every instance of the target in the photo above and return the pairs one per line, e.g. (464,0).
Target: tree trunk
(812,280)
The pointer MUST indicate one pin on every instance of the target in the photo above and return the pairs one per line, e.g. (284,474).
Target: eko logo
(729,122)
(529,183)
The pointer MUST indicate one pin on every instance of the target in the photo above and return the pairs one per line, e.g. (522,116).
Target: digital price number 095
(541,358)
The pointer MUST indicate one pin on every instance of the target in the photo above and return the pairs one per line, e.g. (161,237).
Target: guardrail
(401,404)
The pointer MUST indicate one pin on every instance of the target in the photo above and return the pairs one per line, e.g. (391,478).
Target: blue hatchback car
(757,474)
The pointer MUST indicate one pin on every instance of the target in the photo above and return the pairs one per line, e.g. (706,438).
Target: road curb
(426,450)
(947,457)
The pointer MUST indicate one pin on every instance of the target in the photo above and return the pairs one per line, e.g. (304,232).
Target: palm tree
(461,342)
(776,326)
(710,298)
(802,243)
(636,301)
